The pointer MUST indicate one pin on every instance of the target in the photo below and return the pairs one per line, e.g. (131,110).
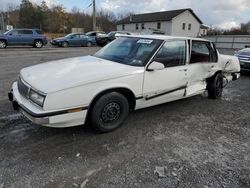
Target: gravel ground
(196,142)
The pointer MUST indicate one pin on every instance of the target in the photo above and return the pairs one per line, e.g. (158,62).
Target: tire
(38,44)
(3,44)
(215,86)
(109,112)
(65,44)
(89,44)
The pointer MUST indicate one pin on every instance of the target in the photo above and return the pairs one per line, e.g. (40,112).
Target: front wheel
(89,44)
(215,86)
(3,44)
(65,44)
(109,112)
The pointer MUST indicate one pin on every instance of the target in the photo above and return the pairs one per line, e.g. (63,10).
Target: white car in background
(130,73)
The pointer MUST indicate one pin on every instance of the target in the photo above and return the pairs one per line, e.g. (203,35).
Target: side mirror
(10,34)
(155,66)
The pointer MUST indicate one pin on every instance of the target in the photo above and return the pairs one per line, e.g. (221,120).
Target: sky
(218,13)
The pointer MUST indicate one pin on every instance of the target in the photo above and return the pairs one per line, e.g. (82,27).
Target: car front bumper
(245,65)
(58,119)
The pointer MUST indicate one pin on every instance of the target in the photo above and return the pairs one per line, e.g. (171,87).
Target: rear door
(26,36)
(202,65)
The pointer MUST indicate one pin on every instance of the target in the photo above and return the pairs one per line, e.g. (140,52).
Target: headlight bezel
(36,100)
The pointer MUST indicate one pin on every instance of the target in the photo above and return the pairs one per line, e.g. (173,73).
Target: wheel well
(208,79)
(124,91)
(38,40)
(4,41)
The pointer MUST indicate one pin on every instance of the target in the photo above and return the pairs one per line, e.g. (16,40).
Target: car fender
(82,96)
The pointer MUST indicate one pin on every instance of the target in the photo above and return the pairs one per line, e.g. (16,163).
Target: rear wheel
(109,112)
(38,44)
(3,44)
(215,86)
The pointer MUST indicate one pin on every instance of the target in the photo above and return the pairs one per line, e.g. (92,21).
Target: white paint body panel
(75,82)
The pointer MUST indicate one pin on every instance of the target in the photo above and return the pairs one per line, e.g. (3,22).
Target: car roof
(163,37)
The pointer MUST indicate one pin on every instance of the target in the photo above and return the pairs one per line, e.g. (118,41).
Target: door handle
(183,70)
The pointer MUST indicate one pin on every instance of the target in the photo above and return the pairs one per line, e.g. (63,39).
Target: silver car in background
(244,58)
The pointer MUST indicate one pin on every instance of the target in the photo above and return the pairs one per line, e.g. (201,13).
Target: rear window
(26,32)
(40,32)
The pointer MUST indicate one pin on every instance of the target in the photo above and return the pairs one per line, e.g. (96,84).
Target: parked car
(130,73)
(103,39)
(32,37)
(113,34)
(72,39)
(92,37)
(244,58)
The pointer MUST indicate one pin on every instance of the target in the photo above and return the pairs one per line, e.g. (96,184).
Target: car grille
(22,88)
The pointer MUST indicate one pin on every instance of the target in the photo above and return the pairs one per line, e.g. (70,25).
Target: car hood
(67,73)
(58,39)
(245,51)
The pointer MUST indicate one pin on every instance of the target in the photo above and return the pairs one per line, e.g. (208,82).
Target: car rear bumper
(57,119)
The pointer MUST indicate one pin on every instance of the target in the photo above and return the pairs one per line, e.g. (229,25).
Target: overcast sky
(219,13)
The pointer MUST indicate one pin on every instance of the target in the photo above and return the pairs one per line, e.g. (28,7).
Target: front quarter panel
(82,96)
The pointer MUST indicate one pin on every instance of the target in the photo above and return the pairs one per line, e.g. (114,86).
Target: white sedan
(130,73)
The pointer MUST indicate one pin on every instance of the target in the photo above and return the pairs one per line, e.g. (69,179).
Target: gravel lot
(197,142)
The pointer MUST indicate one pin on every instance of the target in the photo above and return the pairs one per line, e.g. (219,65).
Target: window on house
(142,26)
(189,26)
(159,25)
(183,26)
(136,26)
(123,27)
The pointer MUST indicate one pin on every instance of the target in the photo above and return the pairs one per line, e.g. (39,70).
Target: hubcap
(111,112)
(2,44)
(38,44)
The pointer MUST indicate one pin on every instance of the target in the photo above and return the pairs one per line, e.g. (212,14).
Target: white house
(182,22)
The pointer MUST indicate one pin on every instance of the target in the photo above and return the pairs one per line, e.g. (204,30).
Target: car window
(82,36)
(39,32)
(75,37)
(26,32)
(172,53)
(14,32)
(202,52)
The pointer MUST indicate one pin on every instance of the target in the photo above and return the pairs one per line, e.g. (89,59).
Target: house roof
(156,16)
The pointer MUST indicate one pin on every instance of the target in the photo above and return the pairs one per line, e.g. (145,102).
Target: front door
(170,83)
(14,37)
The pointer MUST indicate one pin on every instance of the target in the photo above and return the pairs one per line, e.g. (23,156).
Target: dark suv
(33,37)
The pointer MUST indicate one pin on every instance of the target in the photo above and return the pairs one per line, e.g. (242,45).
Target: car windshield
(130,50)
(69,35)
(6,32)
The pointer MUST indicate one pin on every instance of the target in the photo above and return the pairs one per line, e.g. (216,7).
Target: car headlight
(37,97)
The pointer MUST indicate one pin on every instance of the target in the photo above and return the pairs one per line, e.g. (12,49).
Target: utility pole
(94,16)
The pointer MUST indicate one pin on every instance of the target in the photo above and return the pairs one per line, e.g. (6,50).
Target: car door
(26,36)
(169,83)
(75,40)
(13,37)
(202,65)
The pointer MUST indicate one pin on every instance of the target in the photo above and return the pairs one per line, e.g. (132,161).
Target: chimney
(131,18)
